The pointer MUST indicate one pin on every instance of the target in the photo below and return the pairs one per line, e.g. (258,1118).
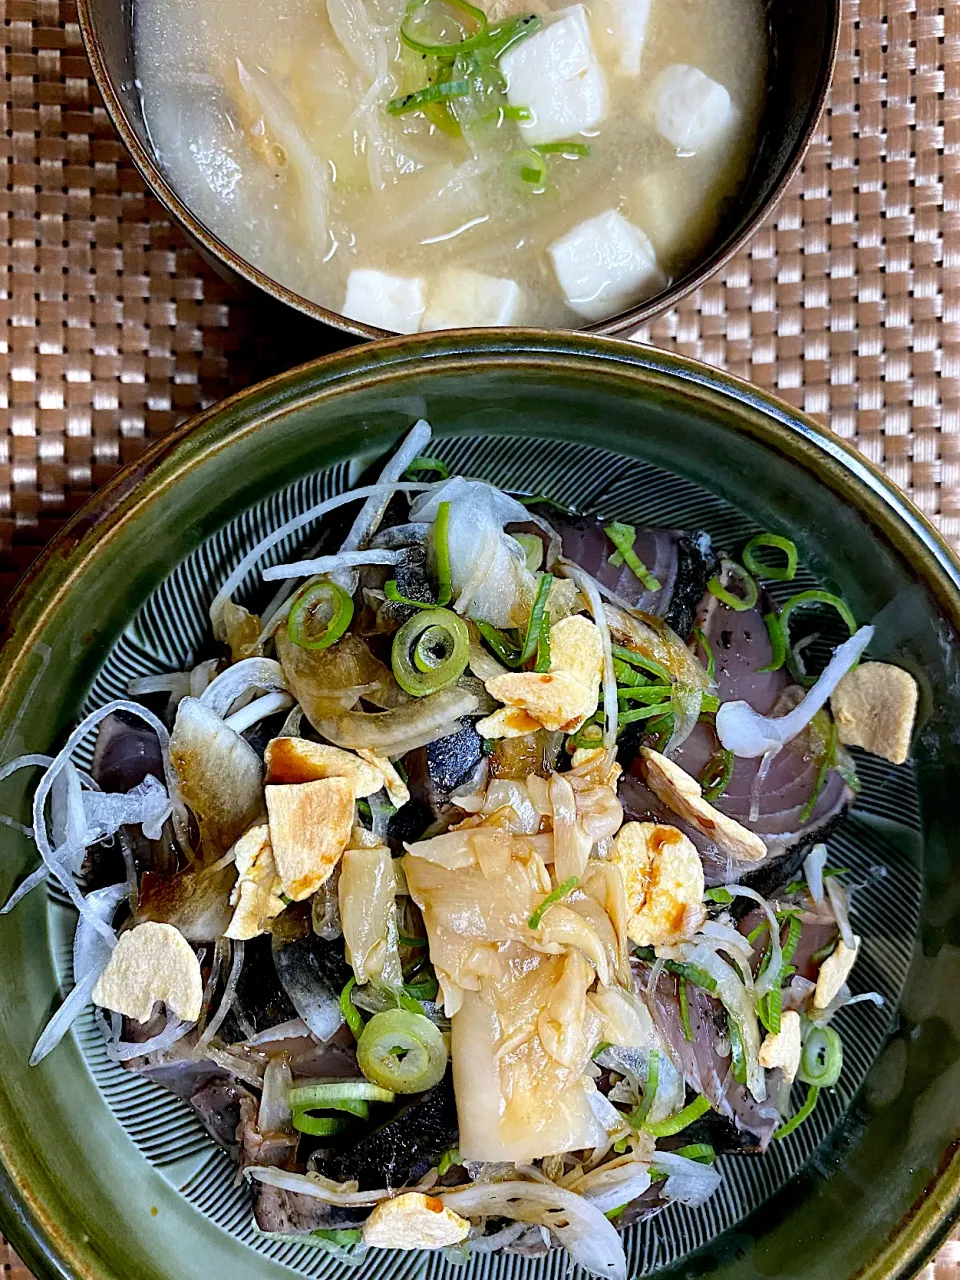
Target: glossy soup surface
(275,131)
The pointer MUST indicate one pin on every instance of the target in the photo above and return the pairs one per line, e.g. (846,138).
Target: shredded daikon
(330,564)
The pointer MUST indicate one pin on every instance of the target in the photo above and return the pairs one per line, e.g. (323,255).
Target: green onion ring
(532,549)
(699,1151)
(301,614)
(717,774)
(801,601)
(779,573)
(501,645)
(822,1059)
(446,48)
(424,677)
(351,1013)
(796,1121)
(740,604)
(707,651)
(399,1032)
(392,592)
(778,643)
(317,1126)
(342,1094)
(533,168)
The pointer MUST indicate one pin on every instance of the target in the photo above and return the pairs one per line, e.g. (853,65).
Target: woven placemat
(846,302)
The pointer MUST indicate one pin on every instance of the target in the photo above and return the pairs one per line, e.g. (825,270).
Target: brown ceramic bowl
(803,39)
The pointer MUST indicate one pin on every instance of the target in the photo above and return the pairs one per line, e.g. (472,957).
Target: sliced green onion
(702,1152)
(532,549)
(604,1044)
(639,713)
(770,1009)
(555,895)
(442,550)
(501,644)
(504,35)
(822,1059)
(343,1236)
(425,989)
(392,592)
(613,1214)
(445,48)
(449,1158)
(408,940)
(721,896)
(432,93)
(717,774)
(542,664)
(571,150)
(740,604)
(629,676)
(537,615)
(517,113)
(819,956)
(778,643)
(826,764)
(801,601)
(402,1051)
(640,1112)
(420,466)
(789,946)
(803,1114)
(685,1010)
(438,643)
(779,573)
(635,659)
(310,598)
(708,652)
(335,1093)
(317,1126)
(682,1120)
(533,168)
(589,734)
(623,536)
(737,1054)
(699,977)
(648,693)
(350,1011)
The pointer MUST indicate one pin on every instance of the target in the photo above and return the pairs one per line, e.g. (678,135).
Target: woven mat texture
(846,302)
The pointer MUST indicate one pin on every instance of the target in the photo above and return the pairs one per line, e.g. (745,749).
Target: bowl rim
(152,174)
(29,1223)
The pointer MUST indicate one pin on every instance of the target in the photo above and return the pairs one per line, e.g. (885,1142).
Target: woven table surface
(846,302)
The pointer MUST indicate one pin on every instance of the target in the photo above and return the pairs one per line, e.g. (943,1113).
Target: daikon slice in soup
(425,164)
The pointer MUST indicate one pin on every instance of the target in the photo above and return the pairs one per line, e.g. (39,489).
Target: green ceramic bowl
(102,1176)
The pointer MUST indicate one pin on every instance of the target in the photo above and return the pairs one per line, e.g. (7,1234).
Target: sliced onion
(258,710)
(738,1002)
(251,673)
(747,733)
(813,865)
(127,1050)
(274,1115)
(874,997)
(759,779)
(176,683)
(841,911)
(372,512)
(319,1188)
(90,955)
(256,553)
(611,708)
(608,1188)
(688,1181)
(294,1029)
(330,564)
(422,720)
(686,701)
(242,1068)
(499,1240)
(770,977)
(226,1001)
(591,1239)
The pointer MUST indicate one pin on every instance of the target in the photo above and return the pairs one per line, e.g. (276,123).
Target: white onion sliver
(250,673)
(610,705)
(874,997)
(371,513)
(739,1003)
(330,564)
(258,710)
(770,977)
(256,553)
(841,910)
(274,1115)
(813,865)
(177,682)
(295,1029)
(591,1239)
(607,1189)
(747,733)
(226,1002)
(499,1239)
(315,1187)
(687,1180)
(127,1050)
(686,701)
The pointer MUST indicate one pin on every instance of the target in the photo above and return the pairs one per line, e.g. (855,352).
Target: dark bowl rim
(778,425)
(151,173)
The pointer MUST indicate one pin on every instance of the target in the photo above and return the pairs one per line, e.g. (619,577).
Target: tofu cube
(390,302)
(629,28)
(462,298)
(556,75)
(691,110)
(604,265)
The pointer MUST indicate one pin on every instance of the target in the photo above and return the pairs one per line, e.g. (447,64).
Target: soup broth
(552,183)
